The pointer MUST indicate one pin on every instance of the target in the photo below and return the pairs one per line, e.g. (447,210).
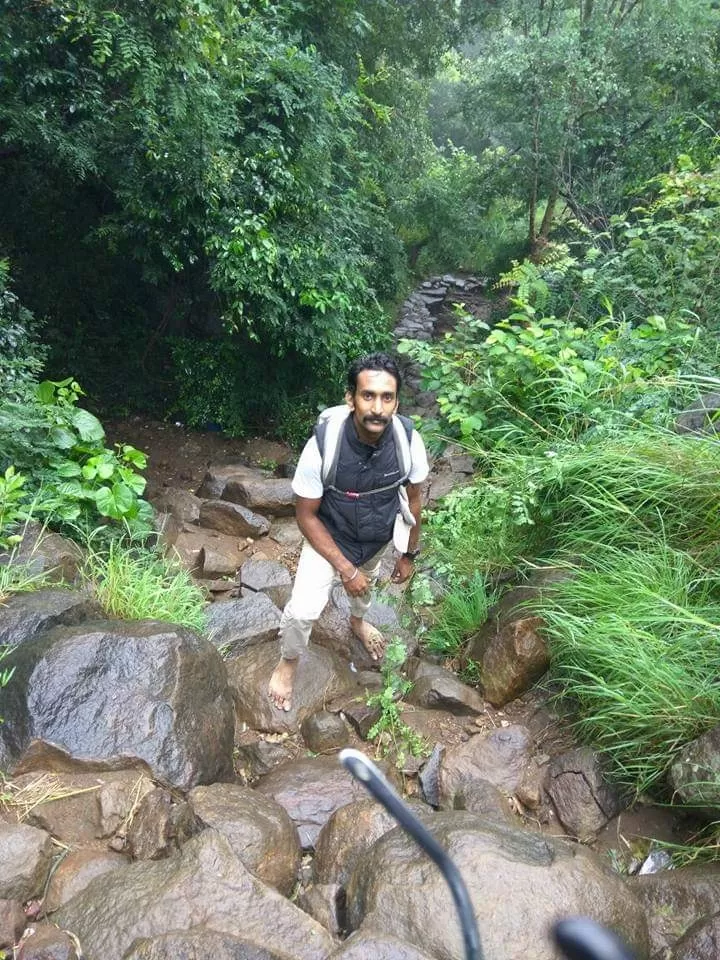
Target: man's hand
(404,569)
(357,585)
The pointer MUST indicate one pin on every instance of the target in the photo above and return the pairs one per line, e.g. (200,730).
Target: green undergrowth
(635,645)
(461,610)
(393,737)
(139,583)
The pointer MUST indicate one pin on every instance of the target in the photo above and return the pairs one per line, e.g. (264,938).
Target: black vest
(362,526)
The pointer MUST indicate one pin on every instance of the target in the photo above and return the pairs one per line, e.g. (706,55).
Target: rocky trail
(156,805)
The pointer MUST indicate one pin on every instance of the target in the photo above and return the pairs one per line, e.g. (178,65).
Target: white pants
(313,582)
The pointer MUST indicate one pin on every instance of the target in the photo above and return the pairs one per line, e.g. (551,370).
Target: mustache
(371,419)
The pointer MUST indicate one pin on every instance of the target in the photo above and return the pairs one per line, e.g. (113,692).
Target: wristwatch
(412,554)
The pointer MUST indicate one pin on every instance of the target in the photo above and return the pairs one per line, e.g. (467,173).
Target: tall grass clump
(635,645)
(139,583)
(462,610)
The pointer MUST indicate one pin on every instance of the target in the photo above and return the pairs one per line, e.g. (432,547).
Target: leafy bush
(138,583)
(461,611)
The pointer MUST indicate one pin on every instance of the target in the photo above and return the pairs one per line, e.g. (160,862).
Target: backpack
(328,432)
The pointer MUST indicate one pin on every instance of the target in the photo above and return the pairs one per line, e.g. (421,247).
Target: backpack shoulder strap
(328,432)
(402,431)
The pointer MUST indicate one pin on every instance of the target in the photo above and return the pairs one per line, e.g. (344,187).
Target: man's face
(374,402)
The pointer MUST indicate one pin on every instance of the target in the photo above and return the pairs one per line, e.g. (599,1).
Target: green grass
(635,643)
(138,583)
(462,610)
(20,578)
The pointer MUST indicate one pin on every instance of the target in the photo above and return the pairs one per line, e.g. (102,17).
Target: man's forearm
(415,504)
(317,535)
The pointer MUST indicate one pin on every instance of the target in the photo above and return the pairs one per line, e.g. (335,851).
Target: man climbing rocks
(362,467)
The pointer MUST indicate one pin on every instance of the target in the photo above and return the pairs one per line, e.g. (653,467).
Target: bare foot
(281,684)
(370,637)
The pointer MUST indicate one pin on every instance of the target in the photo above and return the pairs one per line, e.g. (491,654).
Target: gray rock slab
(198,944)
(217,476)
(701,942)
(203,885)
(695,775)
(269,577)
(233,519)
(366,944)
(323,731)
(235,625)
(109,692)
(46,553)
(181,504)
(26,615)
(285,531)
(446,692)
(76,870)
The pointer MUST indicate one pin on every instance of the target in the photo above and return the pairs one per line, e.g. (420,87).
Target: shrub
(461,611)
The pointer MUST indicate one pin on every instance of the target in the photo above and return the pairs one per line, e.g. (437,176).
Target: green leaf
(63,438)
(114,501)
(88,426)
(68,468)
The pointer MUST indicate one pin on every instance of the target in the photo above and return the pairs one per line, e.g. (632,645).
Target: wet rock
(333,631)
(674,900)
(695,775)
(481,797)
(324,903)
(254,760)
(235,625)
(217,476)
(267,496)
(76,870)
(701,942)
(25,615)
(66,805)
(47,553)
(117,799)
(259,831)
(159,826)
(346,836)
(320,678)
(701,417)
(183,505)
(198,944)
(445,692)
(267,576)
(48,942)
(12,923)
(360,716)
(366,943)
(429,776)
(203,885)
(160,689)
(25,854)
(209,553)
(499,757)
(286,532)
(516,657)
(324,731)
(510,874)
(311,791)
(233,519)
(583,799)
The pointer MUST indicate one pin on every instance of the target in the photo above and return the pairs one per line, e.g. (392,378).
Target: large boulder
(203,885)
(701,416)
(259,830)
(235,625)
(695,775)
(267,576)
(675,900)
(701,942)
(108,691)
(198,944)
(75,871)
(441,690)
(25,615)
(181,504)
(515,658)
(217,476)
(366,944)
(45,553)
(271,497)
(519,884)
(311,791)
(320,678)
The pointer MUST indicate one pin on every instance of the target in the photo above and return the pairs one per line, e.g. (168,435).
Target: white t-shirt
(307,481)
